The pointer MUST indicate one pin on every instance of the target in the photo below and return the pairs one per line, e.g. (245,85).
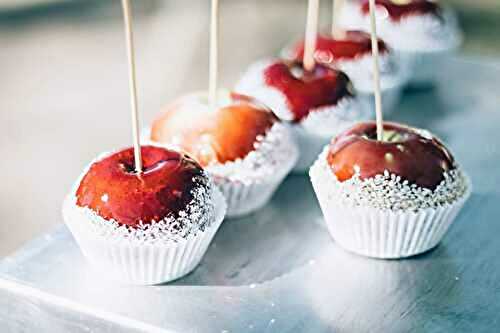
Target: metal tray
(279,271)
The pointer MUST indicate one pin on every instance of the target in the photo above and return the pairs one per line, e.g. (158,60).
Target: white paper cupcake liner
(248,184)
(133,262)
(245,198)
(384,234)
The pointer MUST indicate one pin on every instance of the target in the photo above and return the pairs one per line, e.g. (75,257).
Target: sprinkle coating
(388,191)
(275,153)
(416,32)
(196,217)
(326,120)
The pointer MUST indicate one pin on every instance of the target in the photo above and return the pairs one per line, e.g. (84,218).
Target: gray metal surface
(278,270)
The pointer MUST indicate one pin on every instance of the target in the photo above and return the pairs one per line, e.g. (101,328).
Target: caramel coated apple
(113,189)
(412,154)
(346,45)
(213,136)
(397,9)
(307,90)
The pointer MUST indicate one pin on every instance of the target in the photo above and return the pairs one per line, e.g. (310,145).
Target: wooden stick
(336,9)
(213,66)
(127,15)
(311,34)
(376,72)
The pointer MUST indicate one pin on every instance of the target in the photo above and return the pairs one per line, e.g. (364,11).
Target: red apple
(346,45)
(307,90)
(113,189)
(213,136)
(410,153)
(397,9)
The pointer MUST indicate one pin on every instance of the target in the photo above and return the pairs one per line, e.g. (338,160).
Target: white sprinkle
(273,152)
(387,191)
(196,217)
(324,120)
(428,31)
(104,197)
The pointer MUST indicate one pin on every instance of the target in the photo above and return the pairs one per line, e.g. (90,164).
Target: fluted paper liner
(385,234)
(133,262)
(245,198)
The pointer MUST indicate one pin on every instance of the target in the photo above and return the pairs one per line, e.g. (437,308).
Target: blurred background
(64,90)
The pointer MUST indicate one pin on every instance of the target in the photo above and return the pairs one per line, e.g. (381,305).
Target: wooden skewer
(311,34)
(213,65)
(127,15)
(376,72)
(336,9)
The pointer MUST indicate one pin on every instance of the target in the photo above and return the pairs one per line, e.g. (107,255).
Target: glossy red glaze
(213,136)
(398,10)
(419,159)
(306,90)
(113,190)
(346,45)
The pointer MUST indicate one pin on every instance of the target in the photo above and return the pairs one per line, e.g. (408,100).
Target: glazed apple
(307,90)
(113,189)
(346,45)
(397,9)
(213,136)
(413,154)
